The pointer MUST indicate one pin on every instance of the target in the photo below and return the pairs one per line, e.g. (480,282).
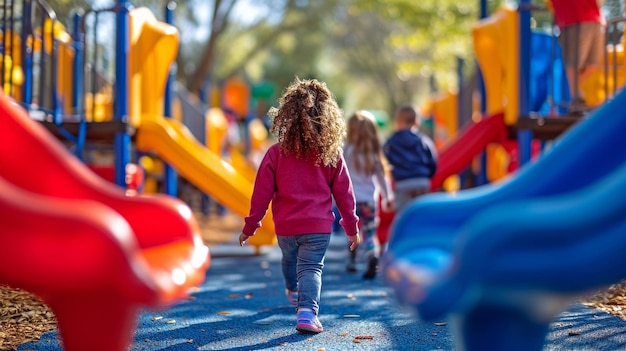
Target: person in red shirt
(300,175)
(582,27)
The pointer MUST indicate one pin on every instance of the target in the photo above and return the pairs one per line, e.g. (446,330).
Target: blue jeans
(302,263)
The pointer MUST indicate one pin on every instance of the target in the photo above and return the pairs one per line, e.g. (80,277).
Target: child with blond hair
(300,175)
(365,161)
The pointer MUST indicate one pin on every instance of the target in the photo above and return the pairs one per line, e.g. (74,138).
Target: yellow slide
(154,46)
(175,144)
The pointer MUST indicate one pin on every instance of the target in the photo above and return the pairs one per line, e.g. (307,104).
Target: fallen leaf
(262,322)
(356,341)
(343,334)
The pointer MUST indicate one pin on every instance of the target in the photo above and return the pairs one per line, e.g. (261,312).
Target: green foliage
(374,54)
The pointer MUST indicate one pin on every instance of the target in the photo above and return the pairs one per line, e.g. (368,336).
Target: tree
(372,52)
(220,20)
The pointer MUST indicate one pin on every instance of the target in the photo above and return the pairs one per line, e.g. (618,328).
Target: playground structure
(498,59)
(83,243)
(169,138)
(140,107)
(502,260)
(494,253)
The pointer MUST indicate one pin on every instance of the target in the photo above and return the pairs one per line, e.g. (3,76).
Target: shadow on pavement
(242,306)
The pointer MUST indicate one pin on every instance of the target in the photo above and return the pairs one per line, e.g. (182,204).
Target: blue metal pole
(432,83)
(121,108)
(170,176)
(27,57)
(77,87)
(524,136)
(481,177)
(77,101)
(460,106)
(205,90)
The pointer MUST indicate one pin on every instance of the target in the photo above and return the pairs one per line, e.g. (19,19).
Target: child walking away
(363,155)
(412,156)
(300,175)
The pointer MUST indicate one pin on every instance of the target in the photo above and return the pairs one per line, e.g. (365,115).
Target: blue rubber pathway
(242,306)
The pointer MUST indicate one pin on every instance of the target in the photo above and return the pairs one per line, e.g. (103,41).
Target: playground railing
(611,60)
(30,54)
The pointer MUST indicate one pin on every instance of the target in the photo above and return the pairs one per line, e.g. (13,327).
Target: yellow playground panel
(65,61)
(154,46)
(610,78)
(444,111)
(100,109)
(13,73)
(496,45)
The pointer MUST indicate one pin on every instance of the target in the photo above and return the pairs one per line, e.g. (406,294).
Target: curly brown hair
(308,123)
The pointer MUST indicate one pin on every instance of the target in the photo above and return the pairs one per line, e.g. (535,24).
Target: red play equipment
(470,142)
(94,255)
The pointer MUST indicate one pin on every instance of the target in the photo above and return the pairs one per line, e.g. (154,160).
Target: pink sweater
(301,196)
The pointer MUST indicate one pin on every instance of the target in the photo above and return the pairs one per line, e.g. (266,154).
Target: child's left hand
(242,239)
(388,205)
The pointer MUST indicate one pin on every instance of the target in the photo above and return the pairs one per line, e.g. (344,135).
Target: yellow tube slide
(154,46)
(173,142)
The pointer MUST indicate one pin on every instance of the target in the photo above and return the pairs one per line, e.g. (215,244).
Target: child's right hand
(242,239)
(354,241)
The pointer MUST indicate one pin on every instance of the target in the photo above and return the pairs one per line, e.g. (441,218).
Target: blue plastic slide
(503,259)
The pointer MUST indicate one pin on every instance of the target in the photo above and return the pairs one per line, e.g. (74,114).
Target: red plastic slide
(473,139)
(94,255)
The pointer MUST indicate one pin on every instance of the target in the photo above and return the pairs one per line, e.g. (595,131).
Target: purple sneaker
(292,297)
(308,323)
